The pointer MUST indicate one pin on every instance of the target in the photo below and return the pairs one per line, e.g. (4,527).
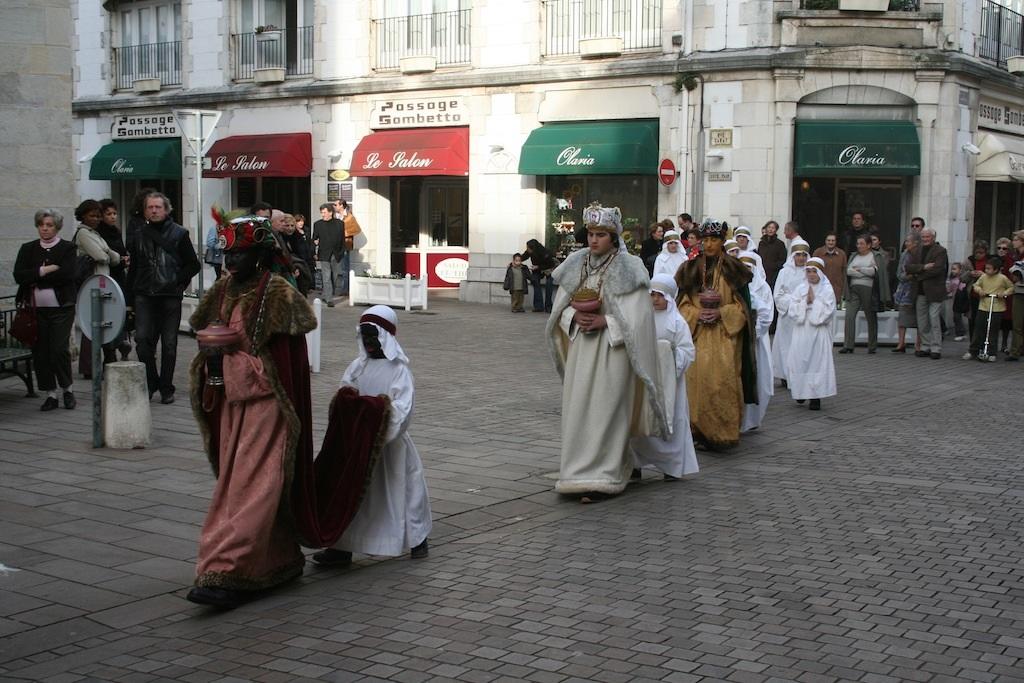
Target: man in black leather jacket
(163,263)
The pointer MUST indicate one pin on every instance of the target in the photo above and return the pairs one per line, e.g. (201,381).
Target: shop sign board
(420,112)
(138,126)
(1002,116)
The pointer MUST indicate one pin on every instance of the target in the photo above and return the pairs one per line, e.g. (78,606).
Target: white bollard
(127,421)
(313,336)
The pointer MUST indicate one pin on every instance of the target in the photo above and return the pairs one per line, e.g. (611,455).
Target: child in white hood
(675,456)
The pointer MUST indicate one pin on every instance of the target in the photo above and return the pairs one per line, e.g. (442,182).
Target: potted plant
(267,33)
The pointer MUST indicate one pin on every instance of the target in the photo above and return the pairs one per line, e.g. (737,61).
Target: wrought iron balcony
(1000,35)
(894,5)
(636,22)
(445,36)
(290,49)
(143,62)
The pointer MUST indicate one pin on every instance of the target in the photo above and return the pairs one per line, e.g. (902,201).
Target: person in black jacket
(163,263)
(329,243)
(45,272)
(543,262)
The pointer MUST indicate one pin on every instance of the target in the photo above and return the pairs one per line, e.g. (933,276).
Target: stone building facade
(459,130)
(35,120)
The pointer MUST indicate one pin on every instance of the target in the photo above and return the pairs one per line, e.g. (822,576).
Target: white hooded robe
(812,372)
(762,301)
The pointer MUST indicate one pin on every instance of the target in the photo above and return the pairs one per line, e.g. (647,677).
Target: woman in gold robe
(715,302)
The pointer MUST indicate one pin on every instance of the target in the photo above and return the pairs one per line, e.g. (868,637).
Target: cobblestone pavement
(878,540)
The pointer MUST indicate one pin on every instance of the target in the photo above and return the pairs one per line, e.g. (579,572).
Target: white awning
(1001,159)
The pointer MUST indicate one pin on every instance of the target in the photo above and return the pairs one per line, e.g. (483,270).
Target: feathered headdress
(237,231)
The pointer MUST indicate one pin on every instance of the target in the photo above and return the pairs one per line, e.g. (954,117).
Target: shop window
(429,212)
(290,195)
(567,196)
(997,210)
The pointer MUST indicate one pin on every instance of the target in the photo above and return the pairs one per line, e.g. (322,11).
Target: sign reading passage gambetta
(1003,116)
(137,126)
(419,113)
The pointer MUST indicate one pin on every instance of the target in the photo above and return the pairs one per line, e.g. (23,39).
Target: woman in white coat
(763,304)
(394,516)
(812,373)
(790,277)
(674,456)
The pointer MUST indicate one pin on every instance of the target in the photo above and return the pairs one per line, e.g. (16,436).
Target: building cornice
(551,72)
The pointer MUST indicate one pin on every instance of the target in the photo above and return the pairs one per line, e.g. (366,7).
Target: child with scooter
(992,289)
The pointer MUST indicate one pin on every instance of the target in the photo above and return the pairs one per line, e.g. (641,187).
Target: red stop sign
(667,172)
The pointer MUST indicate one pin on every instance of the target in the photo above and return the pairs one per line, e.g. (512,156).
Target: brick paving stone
(852,544)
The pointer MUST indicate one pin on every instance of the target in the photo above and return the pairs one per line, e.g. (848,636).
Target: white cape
(762,301)
(790,277)
(812,372)
(395,512)
(667,262)
(676,455)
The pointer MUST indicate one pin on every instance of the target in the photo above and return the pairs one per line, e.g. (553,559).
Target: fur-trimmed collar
(689,276)
(625,273)
(287,311)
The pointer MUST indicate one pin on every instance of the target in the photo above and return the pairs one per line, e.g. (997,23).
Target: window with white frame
(440,28)
(150,41)
(274,34)
(636,22)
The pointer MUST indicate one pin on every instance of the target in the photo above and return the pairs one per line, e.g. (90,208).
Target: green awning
(857,148)
(155,158)
(590,148)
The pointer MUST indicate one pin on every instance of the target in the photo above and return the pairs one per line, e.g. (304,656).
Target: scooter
(988,329)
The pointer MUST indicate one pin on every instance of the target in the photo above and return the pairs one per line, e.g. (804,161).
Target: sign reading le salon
(138,126)
(422,112)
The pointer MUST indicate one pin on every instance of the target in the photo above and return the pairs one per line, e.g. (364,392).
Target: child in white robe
(672,255)
(394,516)
(763,304)
(676,455)
(790,277)
(812,373)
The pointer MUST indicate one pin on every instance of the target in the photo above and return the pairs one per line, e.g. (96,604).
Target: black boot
(217,597)
(333,558)
(420,551)
(815,404)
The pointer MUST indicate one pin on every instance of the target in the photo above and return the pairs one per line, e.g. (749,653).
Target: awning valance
(152,159)
(1001,159)
(419,151)
(277,155)
(591,148)
(857,148)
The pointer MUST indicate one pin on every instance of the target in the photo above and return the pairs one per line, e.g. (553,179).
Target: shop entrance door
(823,205)
(881,201)
(443,218)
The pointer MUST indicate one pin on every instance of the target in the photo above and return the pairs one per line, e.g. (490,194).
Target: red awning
(282,155)
(420,151)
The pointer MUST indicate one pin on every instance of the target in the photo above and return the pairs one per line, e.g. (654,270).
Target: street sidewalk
(877,540)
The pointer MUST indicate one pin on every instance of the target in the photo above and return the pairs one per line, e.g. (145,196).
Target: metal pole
(97,367)
(201,239)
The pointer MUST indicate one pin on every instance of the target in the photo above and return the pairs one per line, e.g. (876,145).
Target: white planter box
(268,75)
(405,293)
(888,329)
(864,5)
(422,64)
(601,47)
(145,85)
(1015,65)
(267,36)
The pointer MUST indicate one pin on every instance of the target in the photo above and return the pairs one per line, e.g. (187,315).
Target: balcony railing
(1000,35)
(445,36)
(636,22)
(290,49)
(139,62)
(894,5)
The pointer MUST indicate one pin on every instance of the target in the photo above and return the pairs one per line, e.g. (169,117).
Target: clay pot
(218,337)
(709,298)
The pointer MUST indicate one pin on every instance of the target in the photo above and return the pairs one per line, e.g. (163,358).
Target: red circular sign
(667,172)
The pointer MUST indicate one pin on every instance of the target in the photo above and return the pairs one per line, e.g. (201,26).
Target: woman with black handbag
(45,273)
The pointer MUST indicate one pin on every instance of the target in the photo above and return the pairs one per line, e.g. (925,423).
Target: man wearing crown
(714,299)
(602,335)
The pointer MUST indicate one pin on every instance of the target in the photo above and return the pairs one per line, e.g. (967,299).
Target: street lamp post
(196,126)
